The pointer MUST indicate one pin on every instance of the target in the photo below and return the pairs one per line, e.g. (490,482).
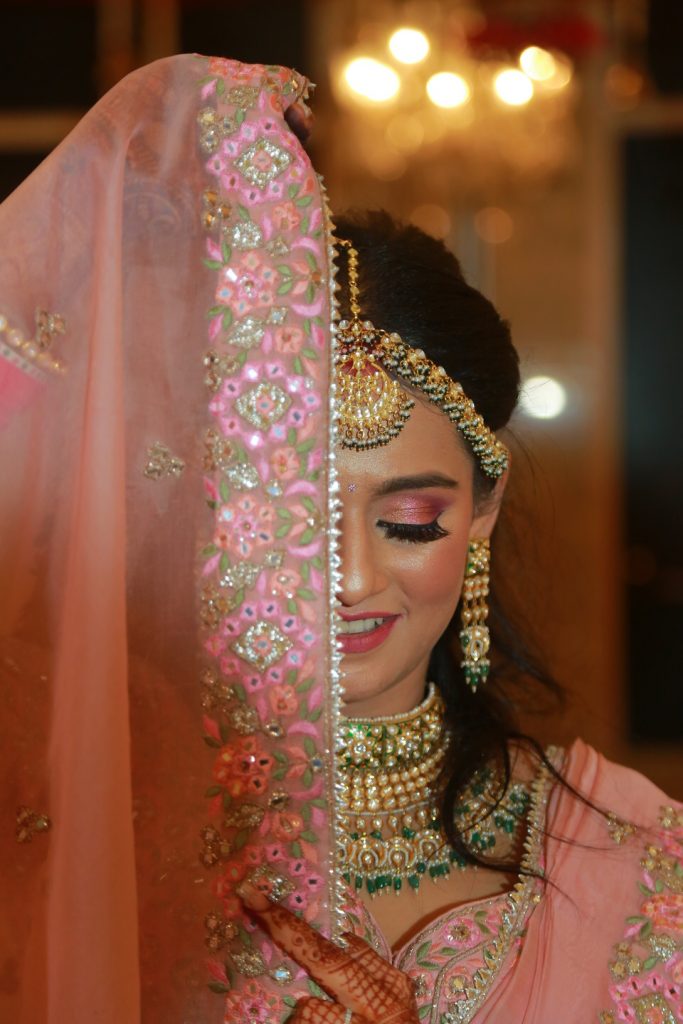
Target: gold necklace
(389,818)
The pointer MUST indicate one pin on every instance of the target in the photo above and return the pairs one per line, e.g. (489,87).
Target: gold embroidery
(619,830)
(30,823)
(250,963)
(216,209)
(653,1007)
(645,958)
(220,931)
(667,866)
(161,462)
(221,453)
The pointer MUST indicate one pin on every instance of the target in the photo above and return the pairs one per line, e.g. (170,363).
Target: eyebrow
(415,483)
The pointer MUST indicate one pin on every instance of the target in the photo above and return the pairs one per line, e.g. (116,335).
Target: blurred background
(543,139)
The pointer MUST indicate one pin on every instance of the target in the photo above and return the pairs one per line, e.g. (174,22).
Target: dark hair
(411,283)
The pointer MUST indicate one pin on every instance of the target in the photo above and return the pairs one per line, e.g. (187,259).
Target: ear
(486,516)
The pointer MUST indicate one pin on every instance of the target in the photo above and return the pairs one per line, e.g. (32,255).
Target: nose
(362,573)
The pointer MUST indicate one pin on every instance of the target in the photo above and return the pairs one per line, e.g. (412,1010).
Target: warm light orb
(446,89)
(562,74)
(537,63)
(409,45)
(513,87)
(372,79)
(543,398)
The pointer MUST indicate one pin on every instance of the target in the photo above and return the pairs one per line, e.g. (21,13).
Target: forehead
(428,443)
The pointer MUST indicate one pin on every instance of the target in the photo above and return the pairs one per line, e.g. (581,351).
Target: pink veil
(169,678)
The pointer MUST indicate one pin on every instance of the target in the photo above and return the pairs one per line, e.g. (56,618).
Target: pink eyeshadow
(414,510)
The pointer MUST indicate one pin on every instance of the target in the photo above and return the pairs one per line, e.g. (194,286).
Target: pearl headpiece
(373,407)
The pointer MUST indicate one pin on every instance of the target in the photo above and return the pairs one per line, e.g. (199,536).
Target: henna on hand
(356,976)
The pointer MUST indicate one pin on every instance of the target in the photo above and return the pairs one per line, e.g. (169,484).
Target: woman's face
(408,513)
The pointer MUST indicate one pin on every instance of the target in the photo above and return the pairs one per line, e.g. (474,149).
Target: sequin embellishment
(263,161)
(262,645)
(161,462)
(647,964)
(30,823)
(263,405)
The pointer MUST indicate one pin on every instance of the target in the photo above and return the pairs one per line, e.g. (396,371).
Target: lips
(365,631)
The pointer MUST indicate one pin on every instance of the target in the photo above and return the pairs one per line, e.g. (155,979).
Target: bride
(195,413)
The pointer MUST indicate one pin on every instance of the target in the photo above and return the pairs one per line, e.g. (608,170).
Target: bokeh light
(371,79)
(446,89)
(513,87)
(563,73)
(537,63)
(543,398)
(433,219)
(409,45)
(493,225)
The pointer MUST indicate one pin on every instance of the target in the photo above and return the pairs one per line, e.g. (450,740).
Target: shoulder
(613,788)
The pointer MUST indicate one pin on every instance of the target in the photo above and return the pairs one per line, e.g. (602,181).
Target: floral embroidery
(647,966)
(262,572)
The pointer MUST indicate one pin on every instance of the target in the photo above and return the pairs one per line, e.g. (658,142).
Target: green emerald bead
(414,881)
(398,883)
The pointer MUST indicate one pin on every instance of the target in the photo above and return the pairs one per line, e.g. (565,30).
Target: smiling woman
(196,420)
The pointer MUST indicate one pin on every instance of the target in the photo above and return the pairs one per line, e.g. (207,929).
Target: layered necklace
(389,818)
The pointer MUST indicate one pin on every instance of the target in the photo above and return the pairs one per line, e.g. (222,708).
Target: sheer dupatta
(169,678)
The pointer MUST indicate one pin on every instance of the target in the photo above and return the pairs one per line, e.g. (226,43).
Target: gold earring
(474,635)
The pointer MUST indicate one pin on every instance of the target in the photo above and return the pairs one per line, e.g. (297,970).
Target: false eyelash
(413,533)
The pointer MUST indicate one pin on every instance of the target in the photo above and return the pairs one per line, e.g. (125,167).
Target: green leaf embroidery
(211,742)
(212,264)
(227,319)
(213,791)
(218,987)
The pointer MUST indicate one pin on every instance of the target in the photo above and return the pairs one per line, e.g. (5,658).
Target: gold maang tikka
(373,407)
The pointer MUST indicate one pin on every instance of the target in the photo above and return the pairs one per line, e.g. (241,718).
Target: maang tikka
(474,635)
(373,406)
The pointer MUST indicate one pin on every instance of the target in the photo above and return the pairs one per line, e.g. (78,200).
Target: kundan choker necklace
(389,817)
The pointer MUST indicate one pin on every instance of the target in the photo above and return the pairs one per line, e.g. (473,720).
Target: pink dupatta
(166,532)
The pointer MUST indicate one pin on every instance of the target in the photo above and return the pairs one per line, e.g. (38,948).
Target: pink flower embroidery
(287,826)
(285,582)
(288,340)
(252,1003)
(286,217)
(283,700)
(285,463)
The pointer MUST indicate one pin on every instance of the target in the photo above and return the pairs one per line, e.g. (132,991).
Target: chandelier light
(372,79)
(446,89)
(408,45)
(513,87)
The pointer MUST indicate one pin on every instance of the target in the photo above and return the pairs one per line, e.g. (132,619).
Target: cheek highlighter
(415,510)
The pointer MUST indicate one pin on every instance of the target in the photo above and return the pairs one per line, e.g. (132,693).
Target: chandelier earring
(474,635)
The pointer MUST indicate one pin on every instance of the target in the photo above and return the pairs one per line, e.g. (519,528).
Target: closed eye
(413,533)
